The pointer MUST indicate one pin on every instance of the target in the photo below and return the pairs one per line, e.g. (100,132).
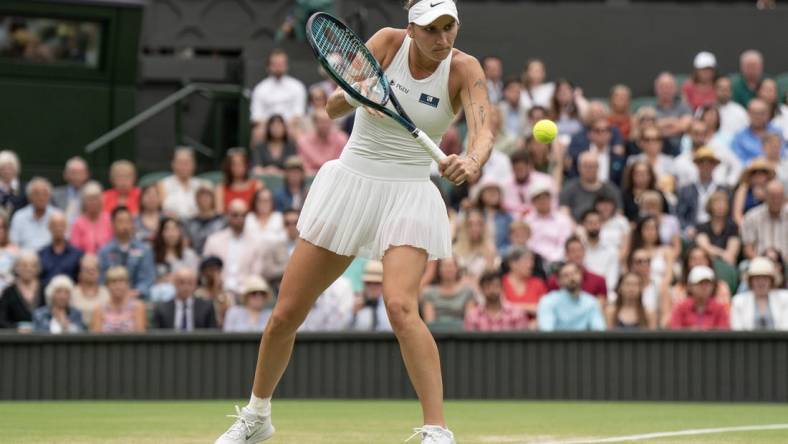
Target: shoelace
(428,438)
(242,425)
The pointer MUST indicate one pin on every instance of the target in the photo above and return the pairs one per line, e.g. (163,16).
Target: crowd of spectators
(672,215)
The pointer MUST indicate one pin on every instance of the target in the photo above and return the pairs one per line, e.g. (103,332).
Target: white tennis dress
(378,193)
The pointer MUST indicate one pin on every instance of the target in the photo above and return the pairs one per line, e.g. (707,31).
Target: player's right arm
(383,46)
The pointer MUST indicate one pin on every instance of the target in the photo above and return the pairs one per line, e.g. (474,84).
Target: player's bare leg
(309,272)
(403,267)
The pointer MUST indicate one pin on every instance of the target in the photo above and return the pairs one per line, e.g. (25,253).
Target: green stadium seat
(782,85)
(152,178)
(272,181)
(212,176)
(727,273)
(446,325)
(680,79)
(639,102)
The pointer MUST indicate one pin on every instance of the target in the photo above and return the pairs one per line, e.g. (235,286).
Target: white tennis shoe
(248,428)
(431,434)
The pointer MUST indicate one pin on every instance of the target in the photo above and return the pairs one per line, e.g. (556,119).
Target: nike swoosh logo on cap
(432,5)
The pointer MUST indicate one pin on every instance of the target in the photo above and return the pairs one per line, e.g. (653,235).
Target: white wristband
(351,101)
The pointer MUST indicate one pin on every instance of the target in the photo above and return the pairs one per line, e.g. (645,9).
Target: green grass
(377,422)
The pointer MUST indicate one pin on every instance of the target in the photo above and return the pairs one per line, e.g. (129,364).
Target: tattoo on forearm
(481,114)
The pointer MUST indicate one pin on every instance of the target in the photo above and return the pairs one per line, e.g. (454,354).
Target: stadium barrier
(636,366)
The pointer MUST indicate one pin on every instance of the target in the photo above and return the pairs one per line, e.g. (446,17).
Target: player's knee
(283,322)
(402,313)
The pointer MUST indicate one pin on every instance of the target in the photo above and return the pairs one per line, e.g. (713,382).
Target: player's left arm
(476,105)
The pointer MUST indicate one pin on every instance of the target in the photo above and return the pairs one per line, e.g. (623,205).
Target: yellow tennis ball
(545,131)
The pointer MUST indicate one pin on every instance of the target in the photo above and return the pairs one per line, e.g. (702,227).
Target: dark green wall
(48,113)
(654,366)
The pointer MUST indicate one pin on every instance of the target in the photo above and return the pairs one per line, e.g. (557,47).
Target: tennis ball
(545,131)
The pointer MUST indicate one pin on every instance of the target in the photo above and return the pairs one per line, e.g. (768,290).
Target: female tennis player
(377,201)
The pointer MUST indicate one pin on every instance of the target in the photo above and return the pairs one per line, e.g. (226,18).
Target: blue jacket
(138,260)
(43,316)
(688,204)
(53,264)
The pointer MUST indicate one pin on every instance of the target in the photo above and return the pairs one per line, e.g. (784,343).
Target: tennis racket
(349,62)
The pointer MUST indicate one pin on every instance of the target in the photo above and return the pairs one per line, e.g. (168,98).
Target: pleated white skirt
(361,207)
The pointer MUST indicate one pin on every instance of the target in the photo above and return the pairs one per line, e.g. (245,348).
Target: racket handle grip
(430,146)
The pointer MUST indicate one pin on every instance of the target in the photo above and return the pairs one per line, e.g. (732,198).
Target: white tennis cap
(699,274)
(427,11)
(705,59)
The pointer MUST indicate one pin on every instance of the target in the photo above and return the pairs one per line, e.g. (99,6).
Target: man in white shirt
(733,117)
(600,258)
(241,250)
(276,94)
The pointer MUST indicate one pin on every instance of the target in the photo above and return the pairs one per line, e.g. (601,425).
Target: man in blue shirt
(569,308)
(59,257)
(748,143)
(128,252)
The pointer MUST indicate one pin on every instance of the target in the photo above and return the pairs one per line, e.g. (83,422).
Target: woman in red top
(122,176)
(620,117)
(520,287)
(236,184)
(699,90)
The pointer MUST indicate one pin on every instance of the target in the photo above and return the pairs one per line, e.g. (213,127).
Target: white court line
(677,433)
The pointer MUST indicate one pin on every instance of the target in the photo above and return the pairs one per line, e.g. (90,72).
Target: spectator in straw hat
(369,312)
(254,311)
(692,198)
(751,191)
(764,307)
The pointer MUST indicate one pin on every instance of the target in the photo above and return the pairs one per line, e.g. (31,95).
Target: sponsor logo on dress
(429,100)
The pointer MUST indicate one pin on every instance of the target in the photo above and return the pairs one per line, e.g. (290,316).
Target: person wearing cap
(673,115)
(254,311)
(515,191)
(292,194)
(185,312)
(212,288)
(766,226)
(323,142)
(692,198)
(699,90)
(751,191)
(700,311)
(763,307)
(550,228)
(747,144)
(58,316)
(369,311)
(376,201)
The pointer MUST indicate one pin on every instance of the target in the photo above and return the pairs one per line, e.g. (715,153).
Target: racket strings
(348,57)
